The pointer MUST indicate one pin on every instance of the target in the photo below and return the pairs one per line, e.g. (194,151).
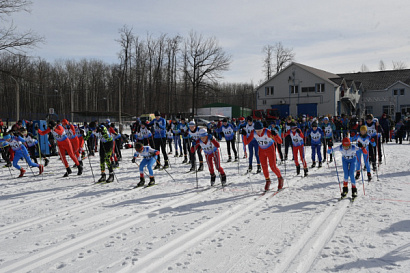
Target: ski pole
(237,145)
(89,160)
(4,152)
(337,173)
(165,170)
(361,171)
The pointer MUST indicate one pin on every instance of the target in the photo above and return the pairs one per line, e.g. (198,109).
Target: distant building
(299,89)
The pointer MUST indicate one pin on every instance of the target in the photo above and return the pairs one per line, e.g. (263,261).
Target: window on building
(269,91)
(308,89)
(397,92)
(369,110)
(320,87)
(388,109)
(405,109)
(264,102)
(294,89)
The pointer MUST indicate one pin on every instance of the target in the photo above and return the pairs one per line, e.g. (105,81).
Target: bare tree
(399,65)
(10,39)
(205,61)
(382,67)
(364,68)
(283,56)
(268,50)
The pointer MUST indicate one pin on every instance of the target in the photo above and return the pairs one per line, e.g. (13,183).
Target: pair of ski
(273,194)
(215,188)
(143,187)
(352,199)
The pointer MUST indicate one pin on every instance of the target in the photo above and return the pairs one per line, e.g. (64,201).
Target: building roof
(378,80)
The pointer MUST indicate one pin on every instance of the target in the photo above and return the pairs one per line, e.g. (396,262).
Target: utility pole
(17,98)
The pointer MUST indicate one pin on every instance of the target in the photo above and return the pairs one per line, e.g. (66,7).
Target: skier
(170,137)
(228,131)
(349,160)
(114,155)
(298,147)
(175,127)
(186,144)
(288,140)
(31,143)
(72,136)
(193,133)
(150,157)
(241,124)
(106,148)
(210,147)
(316,135)
(374,131)
(265,139)
(64,145)
(253,146)
(328,128)
(363,141)
(278,130)
(20,151)
(160,140)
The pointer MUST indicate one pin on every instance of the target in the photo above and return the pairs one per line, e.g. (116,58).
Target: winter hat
(157,113)
(293,125)
(258,125)
(325,118)
(202,133)
(346,142)
(191,123)
(52,124)
(363,128)
(6,136)
(64,122)
(241,118)
(314,124)
(249,118)
(369,116)
(224,120)
(139,146)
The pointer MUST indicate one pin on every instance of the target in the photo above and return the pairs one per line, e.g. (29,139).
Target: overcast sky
(336,36)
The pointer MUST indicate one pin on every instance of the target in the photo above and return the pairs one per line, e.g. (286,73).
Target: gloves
(44,126)
(36,126)
(298,130)
(372,140)
(243,132)
(360,144)
(273,132)
(192,150)
(133,160)
(157,153)
(323,127)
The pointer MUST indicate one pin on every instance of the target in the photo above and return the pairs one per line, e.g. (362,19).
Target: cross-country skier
(186,144)
(228,131)
(242,123)
(349,160)
(374,130)
(194,135)
(328,128)
(253,146)
(265,139)
(276,127)
(363,141)
(210,147)
(298,147)
(150,157)
(106,147)
(20,151)
(72,136)
(316,135)
(64,145)
(31,143)
(175,128)
(160,140)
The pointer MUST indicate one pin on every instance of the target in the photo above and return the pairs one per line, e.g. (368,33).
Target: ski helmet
(346,142)
(203,133)
(258,125)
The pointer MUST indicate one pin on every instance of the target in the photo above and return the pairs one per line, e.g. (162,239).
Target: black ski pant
(193,157)
(288,143)
(373,152)
(230,143)
(160,145)
(279,148)
(327,142)
(186,146)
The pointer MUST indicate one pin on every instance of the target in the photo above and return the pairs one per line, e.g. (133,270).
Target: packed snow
(54,224)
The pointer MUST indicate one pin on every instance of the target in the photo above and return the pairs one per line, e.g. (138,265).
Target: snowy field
(54,224)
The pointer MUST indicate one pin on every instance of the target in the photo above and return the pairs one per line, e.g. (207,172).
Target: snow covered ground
(54,224)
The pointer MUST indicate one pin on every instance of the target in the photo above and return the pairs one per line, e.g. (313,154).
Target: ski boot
(306,172)
(8,165)
(249,169)
(369,176)
(68,171)
(357,175)
(313,164)
(236,158)
(297,169)
(192,168)
(166,165)
(181,155)
(40,169)
(258,168)
(151,181)
(223,179)
(22,172)
(74,166)
(157,167)
(80,170)
(344,192)
(201,167)
(46,161)
(280,183)
(102,178)
(185,159)
(110,178)
(176,154)
(229,159)
(331,159)
(354,192)
(267,184)
(374,166)
(320,164)
(213,178)
(141,183)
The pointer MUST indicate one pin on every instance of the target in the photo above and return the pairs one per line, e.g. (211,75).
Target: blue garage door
(282,108)
(307,109)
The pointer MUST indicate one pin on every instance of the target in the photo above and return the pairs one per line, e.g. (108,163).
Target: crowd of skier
(361,145)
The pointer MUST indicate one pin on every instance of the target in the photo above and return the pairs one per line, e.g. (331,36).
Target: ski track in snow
(66,225)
